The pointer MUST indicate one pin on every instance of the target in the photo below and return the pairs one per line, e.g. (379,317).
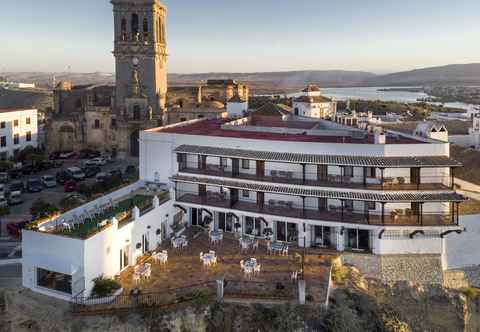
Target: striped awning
(414,196)
(316,159)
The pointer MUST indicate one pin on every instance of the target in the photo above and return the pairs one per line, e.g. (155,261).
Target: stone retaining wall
(459,278)
(422,269)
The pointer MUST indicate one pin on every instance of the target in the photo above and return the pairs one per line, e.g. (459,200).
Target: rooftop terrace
(215,128)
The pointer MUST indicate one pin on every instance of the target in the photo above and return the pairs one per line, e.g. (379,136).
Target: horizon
(369,37)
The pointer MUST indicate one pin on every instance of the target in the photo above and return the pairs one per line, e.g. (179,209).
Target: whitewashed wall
(463,250)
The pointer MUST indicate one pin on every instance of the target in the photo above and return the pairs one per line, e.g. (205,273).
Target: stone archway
(134,143)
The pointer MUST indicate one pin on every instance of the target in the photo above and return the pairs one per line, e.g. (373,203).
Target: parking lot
(55,195)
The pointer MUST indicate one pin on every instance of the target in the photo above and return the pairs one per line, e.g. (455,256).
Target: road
(55,195)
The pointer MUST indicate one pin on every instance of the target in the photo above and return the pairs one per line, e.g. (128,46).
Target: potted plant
(105,290)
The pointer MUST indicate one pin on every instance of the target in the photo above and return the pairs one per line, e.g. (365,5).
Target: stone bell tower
(140,47)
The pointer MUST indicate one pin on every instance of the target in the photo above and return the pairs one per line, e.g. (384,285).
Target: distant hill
(460,74)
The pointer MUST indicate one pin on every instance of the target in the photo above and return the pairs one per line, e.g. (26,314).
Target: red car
(15,228)
(70,186)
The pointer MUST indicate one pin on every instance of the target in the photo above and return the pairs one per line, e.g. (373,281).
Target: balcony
(334,214)
(330,180)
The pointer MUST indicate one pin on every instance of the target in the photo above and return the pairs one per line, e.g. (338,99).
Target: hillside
(450,74)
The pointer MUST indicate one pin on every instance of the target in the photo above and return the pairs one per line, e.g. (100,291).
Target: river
(375,93)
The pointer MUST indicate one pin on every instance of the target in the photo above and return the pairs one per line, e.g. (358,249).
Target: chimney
(379,134)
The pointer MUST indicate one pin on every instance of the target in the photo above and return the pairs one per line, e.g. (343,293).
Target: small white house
(18,129)
(432,130)
(60,262)
(236,106)
(312,104)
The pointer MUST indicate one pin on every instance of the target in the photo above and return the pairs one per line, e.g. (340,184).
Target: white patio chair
(257,269)
(136,278)
(255,246)
(214,261)
(212,252)
(294,275)
(148,270)
(201,257)
(285,250)
(185,244)
(269,247)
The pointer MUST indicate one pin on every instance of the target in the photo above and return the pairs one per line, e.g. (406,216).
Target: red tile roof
(212,127)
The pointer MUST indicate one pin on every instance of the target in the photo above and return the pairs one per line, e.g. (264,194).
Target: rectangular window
(349,171)
(53,280)
(223,162)
(3,124)
(28,121)
(3,141)
(371,172)
(245,164)
(15,123)
(371,205)
(3,156)
(357,239)
(245,194)
(16,139)
(348,204)
(29,136)
(97,124)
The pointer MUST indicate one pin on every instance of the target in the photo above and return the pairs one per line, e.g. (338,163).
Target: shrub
(469,292)
(104,287)
(339,273)
(42,209)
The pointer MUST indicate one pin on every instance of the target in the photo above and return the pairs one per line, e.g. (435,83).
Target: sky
(251,35)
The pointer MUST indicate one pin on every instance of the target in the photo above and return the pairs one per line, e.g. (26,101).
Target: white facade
(237,108)
(158,159)
(99,255)
(18,129)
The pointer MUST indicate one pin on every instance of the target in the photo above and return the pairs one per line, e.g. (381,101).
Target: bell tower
(140,49)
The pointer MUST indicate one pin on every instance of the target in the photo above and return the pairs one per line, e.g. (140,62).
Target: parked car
(14,173)
(16,186)
(15,228)
(66,155)
(62,177)
(49,181)
(70,186)
(75,173)
(3,202)
(34,185)
(96,162)
(15,198)
(3,177)
(28,169)
(100,177)
(92,171)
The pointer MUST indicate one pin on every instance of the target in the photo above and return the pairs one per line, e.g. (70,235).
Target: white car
(49,181)
(96,162)
(75,173)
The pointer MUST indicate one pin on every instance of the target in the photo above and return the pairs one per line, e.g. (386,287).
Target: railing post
(383,213)
(343,207)
(301,291)
(452,174)
(382,179)
(303,173)
(220,291)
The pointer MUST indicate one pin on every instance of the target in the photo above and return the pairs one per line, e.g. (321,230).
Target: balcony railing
(331,180)
(337,214)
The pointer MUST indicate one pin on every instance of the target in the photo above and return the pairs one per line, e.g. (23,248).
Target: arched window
(145,29)
(135,27)
(159,36)
(163,31)
(124,29)
(136,112)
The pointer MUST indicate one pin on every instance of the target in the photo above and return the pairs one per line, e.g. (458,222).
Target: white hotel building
(310,183)
(341,189)
(18,129)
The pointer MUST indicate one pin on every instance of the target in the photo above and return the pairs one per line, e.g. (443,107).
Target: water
(374,93)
